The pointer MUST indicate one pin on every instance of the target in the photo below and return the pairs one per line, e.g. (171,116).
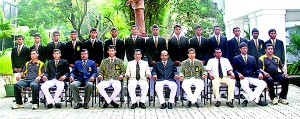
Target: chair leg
(154,94)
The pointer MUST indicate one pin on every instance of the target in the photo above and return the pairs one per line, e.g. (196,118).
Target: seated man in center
(164,72)
(192,71)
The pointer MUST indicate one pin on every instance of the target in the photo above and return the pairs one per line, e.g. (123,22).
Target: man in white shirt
(137,73)
(218,68)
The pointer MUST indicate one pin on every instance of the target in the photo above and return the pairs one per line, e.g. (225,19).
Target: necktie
(155,41)
(73,42)
(137,71)
(199,41)
(36,47)
(220,69)
(274,42)
(111,60)
(245,59)
(93,42)
(56,62)
(238,40)
(134,38)
(192,63)
(55,45)
(178,40)
(114,41)
(84,65)
(256,43)
(19,49)
(218,40)
(164,62)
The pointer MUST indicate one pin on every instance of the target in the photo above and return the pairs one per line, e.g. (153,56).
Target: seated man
(192,71)
(112,71)
(246,68)
(218,68)
(83,72)
(164,72)
(137,73)
(57,71)
(33,72)
(272,68)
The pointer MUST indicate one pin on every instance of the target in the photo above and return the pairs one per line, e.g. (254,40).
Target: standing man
(117,42)
(95,47)
(137,73)
(84,73)
(177,46)
(278,45)
(31,75)
(134,42)
(73,49)
(56,44)
(245,66)
(191,73)
(220,71)
(56,73)
(255,46)
(273,71)
(39,47)
(234,43)
(165,73)
(19,56)
(111,73)
(217,41)
(199,43)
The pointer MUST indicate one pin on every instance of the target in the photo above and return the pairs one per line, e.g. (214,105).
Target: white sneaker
(275,101)
(17,106)
(34,106)
(283,101)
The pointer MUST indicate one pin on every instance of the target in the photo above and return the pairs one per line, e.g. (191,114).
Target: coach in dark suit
(200,44)
(73,49)
(233,44)
(117,42)
(255,46)
(39,47)
(95,47)
(178,46)
(134,42)
(154,46)
(19,55)
(217,41)
(55,44)
(278,45)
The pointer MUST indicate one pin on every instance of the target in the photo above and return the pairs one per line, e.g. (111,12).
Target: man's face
(218,54)
(73,36)
(164,56)
(155,31)
(93,34)
(84,55)
(134,31)
(191,54)
(269,50)
(217,30)
(255,35)
(177,31)
(114,33)
(237,32)
(37,40)
(272,35)
(20,41)
(198,31)
(56,37)
(137,55)
(33,55)
(56,55)
(111,52)
(244,50)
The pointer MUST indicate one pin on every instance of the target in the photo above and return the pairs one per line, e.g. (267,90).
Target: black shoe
(57,105)
(142,105)
(163,106)
(218,103)
(78,106)
(49,106)
(115,105)
(229,104)
(224,96)
(245,103)
(170,105)
(105,105)
(133,106)
(262,103)
(85,105)
(197,104)
(189,104)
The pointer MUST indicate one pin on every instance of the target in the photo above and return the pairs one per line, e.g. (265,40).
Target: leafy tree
(5,29)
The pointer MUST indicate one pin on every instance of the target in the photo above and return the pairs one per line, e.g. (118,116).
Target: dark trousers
(283,81)
(26,83)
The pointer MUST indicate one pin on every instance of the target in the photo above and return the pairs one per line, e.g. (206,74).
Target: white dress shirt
(144,69)
(212,66)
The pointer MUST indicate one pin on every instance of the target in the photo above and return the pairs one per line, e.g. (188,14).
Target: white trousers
(260,86)
(186,85)
(116,84)
(159,88)
(144,90)
(59,89)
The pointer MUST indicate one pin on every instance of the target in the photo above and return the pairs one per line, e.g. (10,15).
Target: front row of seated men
(192,72)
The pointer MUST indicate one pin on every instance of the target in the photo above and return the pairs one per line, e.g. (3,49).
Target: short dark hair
(235,28)
(56,32)
(272,30)
(137,50)
(217,49)
(191,49)
(57,50)
(177,26)
(37,35)
(34,50)
(74,31)
(134,26)
(254,30)
(197,27)
(20,36)
(111,47)
(269,44)
(93,29)
(216,26)
(85,50)
(243,44)
(113,28)
(155,26)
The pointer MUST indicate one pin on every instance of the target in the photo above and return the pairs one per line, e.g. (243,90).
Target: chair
(27,90)
(137,91)
(193,88)
(110,90)
(277,86)
(223,87)
(52,90)
(166,87)
(81,91)
(238,84)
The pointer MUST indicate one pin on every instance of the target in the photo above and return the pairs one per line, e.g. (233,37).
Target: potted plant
(6,74)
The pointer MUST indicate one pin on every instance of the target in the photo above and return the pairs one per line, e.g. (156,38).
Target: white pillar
(234,23)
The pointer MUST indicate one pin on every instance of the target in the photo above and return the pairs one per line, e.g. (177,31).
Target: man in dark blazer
(154,46)
(217,41)
(83,74)
(117,42)
(245,67)
(56,44)
(134,42)
(278,45)
(39,47)
(73,49)
(177,46)
(233,44)
(57,71)
(165,73)
(95,47)
(255,46)
(200,44)
(19,55)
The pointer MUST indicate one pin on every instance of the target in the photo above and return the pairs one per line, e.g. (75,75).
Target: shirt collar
(21,45)
(112,58)
(134,36)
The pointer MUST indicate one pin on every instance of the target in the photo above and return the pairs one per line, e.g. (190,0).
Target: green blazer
(187,70)
(110,70)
